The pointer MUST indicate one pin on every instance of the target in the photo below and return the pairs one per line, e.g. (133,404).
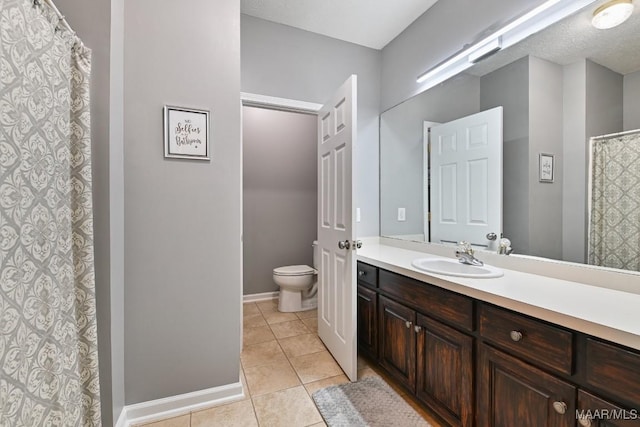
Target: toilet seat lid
(294,270)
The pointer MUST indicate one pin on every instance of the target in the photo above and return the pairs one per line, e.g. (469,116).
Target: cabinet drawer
(443,305)
(537,341)
(613,369)
(367,274)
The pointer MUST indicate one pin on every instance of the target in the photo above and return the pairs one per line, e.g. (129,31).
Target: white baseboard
(266,296)
(122,419)
(173,406)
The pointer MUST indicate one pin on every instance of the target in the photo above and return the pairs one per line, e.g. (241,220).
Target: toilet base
(291,301)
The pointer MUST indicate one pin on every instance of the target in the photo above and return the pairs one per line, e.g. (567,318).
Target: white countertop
(610,314)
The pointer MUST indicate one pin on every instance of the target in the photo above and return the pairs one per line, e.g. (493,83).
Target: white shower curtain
(48,341)
(614,224)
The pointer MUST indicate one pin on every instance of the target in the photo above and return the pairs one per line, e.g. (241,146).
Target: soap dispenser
(504,246)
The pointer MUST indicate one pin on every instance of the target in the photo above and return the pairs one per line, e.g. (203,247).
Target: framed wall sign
(186,133)
(545,173)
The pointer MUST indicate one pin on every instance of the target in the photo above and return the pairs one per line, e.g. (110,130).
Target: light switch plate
(402,214)
(357,214)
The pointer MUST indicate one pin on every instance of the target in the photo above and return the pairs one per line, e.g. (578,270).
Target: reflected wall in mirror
(558,89)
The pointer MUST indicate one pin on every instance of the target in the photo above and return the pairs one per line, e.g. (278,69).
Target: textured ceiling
(575,38)
(371,23)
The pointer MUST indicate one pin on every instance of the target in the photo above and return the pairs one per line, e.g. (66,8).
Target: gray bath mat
(370,402)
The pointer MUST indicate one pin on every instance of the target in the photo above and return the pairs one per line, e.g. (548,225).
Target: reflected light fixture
(531,22)
(612,14)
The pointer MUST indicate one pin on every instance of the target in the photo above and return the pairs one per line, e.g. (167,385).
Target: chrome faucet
(464,253)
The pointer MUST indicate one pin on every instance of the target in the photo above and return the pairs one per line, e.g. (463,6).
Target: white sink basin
(451,267)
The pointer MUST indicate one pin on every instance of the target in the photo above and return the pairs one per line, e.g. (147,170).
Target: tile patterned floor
(283,362)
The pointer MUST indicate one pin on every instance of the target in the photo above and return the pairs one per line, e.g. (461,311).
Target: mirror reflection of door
(466,179)
(426,179)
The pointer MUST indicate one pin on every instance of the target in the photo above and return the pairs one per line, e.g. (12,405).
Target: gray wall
(530,90)
(603,113)
(116,190)
(286,62)
(91,21)
(593,97)
(280,193)
(509,87)
(182,218)
(402,154)
(574,167)
(631,95)
(545,136)
(604,100)
(441,31)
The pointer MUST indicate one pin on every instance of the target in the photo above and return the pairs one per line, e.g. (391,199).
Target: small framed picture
(186,133)
(545,172)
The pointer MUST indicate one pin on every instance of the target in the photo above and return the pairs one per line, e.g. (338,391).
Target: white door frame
(272,103)
(275,103)
(426,147)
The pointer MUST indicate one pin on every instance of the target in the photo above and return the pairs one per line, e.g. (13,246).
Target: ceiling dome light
(612,13)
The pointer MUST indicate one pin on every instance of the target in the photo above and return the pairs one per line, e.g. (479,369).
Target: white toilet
(298,285)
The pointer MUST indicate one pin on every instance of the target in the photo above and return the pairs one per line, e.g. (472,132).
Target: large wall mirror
(558,89)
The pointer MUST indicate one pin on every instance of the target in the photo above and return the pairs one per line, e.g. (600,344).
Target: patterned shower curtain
(614,228)
(48,340)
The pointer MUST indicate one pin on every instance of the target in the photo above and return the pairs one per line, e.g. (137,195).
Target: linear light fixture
(485,51)
(520,28)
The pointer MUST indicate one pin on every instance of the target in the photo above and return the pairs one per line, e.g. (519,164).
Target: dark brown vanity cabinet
(476,364)
(367,322)
(596,412)
(444,371)
(512,389)
(367,306)
(431,359)
(514,393)
(398,341)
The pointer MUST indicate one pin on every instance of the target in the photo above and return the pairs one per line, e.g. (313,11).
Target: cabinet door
(514,393)
(397,341)
(595,412)
(444,374)
(367,325)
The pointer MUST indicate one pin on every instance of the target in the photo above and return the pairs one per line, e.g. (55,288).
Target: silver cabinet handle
(492,236)
(407,324)
(584,421)
(418,329)
(560,407)
(362,273)
(515,336)
(357,244)
(344,244)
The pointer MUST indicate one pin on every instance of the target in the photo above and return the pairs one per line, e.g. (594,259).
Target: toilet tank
(315,254)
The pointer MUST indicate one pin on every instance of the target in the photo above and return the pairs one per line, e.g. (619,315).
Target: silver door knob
(515,336)
(357,244)
(560,407)
(418,329)
(344,244)
(492,236)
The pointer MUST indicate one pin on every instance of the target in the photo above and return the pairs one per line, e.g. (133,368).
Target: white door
(466,179)
(337,266)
